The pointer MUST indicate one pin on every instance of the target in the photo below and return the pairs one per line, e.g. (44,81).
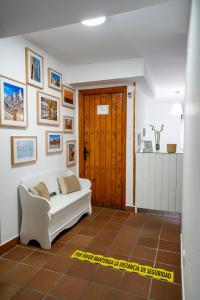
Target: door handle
(85,153)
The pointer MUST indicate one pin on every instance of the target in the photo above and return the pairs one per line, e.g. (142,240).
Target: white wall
(191,174)
(141,113)
(12,64)
(117,70)
(161,112)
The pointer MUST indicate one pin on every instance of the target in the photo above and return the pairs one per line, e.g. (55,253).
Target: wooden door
(102,144)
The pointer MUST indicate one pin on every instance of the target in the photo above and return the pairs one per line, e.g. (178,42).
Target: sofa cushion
(40,190)
(59,201)
(69,184)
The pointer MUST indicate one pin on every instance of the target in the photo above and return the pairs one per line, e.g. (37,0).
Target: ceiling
(22,16)
(158,33)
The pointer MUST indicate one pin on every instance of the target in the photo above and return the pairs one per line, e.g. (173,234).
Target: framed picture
(54,141)
(23,149)
(68,97)
(71,153)
(148,146)
(48,109)
(34,69)
(54,79)
(13,109)
(68,124)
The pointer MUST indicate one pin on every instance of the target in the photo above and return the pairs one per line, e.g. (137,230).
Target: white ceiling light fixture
(94,22)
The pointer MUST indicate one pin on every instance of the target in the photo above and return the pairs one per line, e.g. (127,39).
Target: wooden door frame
(98,91)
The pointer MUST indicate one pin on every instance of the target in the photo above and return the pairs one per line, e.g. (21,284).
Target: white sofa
(43,220)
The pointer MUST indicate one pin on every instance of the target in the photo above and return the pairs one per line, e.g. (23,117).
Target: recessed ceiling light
(94,22)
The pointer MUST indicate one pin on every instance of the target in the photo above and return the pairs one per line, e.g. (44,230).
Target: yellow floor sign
(124,265)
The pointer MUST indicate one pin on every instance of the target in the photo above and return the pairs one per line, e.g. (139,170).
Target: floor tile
(172,236)
(169,246)
(8,290)
(122,295)
(43,280)
(170,258)
(37,258)
(82,269)
(90,231)
(58,264)
(108,276)
(19,274)
(26,294)
(161,290)
(97,292)
(69,287)
(81,240)
(147,242)
(18,253)
(135,284)
(144,252)
(5,266)
(107,234)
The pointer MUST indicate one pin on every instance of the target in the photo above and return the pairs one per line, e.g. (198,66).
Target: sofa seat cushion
(59,201)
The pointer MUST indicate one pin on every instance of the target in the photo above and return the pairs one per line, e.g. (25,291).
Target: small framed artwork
(48,109)
(13,109)
(68,124)
(54,79)
(68,97)
(71,153)
(34,68)
(23,149)
(148,146)
(54,141)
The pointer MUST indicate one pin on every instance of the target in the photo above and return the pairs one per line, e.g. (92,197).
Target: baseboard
(9,245)
(182,269)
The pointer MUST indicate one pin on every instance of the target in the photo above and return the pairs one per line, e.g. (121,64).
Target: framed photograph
(54,79)
(68,124)
(48,109)
(71,153)
(54,141)
(13,109)
(148,146)
(34,69)
(23,149)
(68,97)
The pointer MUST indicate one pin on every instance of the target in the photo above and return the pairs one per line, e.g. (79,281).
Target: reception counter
(159,181)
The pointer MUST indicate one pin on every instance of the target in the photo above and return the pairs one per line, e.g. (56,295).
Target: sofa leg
(45,244)
(24,240)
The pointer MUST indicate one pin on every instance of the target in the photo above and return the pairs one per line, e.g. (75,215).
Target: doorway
(102,144)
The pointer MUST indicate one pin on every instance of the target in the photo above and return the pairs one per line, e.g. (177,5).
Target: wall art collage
(14,111)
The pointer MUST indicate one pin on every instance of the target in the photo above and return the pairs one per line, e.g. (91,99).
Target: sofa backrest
(48,177)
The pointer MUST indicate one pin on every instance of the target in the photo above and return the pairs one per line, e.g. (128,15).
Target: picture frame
(68,124)
(54,80)
(54,142)
(23,149)
(71,153)
(148,146)
(68,97)
(48,109)
(13,103)
(34,68)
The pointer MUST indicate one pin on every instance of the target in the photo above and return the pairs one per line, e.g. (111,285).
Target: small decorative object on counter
(157,136)
(148,146)
(171,148)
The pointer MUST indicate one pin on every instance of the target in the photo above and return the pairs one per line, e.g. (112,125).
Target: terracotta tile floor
(151,238)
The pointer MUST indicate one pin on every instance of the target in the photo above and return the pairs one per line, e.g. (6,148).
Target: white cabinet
(159,181)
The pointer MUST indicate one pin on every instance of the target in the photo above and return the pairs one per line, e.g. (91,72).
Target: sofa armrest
(85,183)
(33,202)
